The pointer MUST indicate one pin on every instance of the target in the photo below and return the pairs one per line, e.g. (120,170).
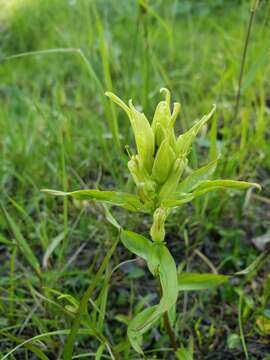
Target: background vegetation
(58,130)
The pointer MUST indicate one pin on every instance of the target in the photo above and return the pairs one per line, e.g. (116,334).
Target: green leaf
(233,341)
(25,343)
(34,349)
(179,198)
(100,351)
(196,177)
(3,240)
(195,281)
(67,297)
(184,141)
(161,263)
(168,279)
(110,218)
(50,249)
(124,200)
(72,333)
(135,335)
(209,185)
(184,354)
(22,243)
(256,264)
(137,244)
(262,57)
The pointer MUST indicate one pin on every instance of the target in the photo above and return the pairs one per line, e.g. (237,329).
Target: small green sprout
(158,170)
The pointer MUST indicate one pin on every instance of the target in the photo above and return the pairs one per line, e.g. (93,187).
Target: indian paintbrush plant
(159,172)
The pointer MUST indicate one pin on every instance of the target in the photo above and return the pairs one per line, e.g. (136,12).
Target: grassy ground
(59,131)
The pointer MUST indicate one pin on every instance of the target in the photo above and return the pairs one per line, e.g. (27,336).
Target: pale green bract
(158,171)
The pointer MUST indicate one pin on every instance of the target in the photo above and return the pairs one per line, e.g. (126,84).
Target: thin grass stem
(254,4)
(240,323)
(69,345)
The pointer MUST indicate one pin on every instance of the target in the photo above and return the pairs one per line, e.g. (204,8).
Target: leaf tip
(256,185)
(108,93)
(54,192)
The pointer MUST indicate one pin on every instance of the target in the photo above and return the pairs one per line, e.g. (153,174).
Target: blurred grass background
(59,131)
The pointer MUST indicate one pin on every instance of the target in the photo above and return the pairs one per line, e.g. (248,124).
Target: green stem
(168,327)
(170,332)
(65,200)
(240,323)
(243,60)
(143,11)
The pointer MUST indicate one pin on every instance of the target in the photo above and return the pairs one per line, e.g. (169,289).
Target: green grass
(58,130)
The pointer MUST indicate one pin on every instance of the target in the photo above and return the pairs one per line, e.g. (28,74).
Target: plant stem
(143,13)
(168,327)
(253,7)
(240,323)
(170,332)
(64,244)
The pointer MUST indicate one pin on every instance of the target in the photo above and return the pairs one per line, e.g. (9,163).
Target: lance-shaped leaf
(196,177)
(125,200)
(177,200)
(137,244)
(22,242)
(184,141)
(206,186)
(184,354)
(161,264)
(195,281)
(210,185)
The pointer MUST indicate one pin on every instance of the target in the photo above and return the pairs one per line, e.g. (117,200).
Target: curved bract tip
(256,185)
(214,108)
(167,94)
(130,104)
(176,111)
(118,101)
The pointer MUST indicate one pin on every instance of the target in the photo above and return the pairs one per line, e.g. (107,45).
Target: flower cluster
(161,156)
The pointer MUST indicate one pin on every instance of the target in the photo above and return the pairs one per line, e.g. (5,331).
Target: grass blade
(69,345)
(39,353)
(22,243)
